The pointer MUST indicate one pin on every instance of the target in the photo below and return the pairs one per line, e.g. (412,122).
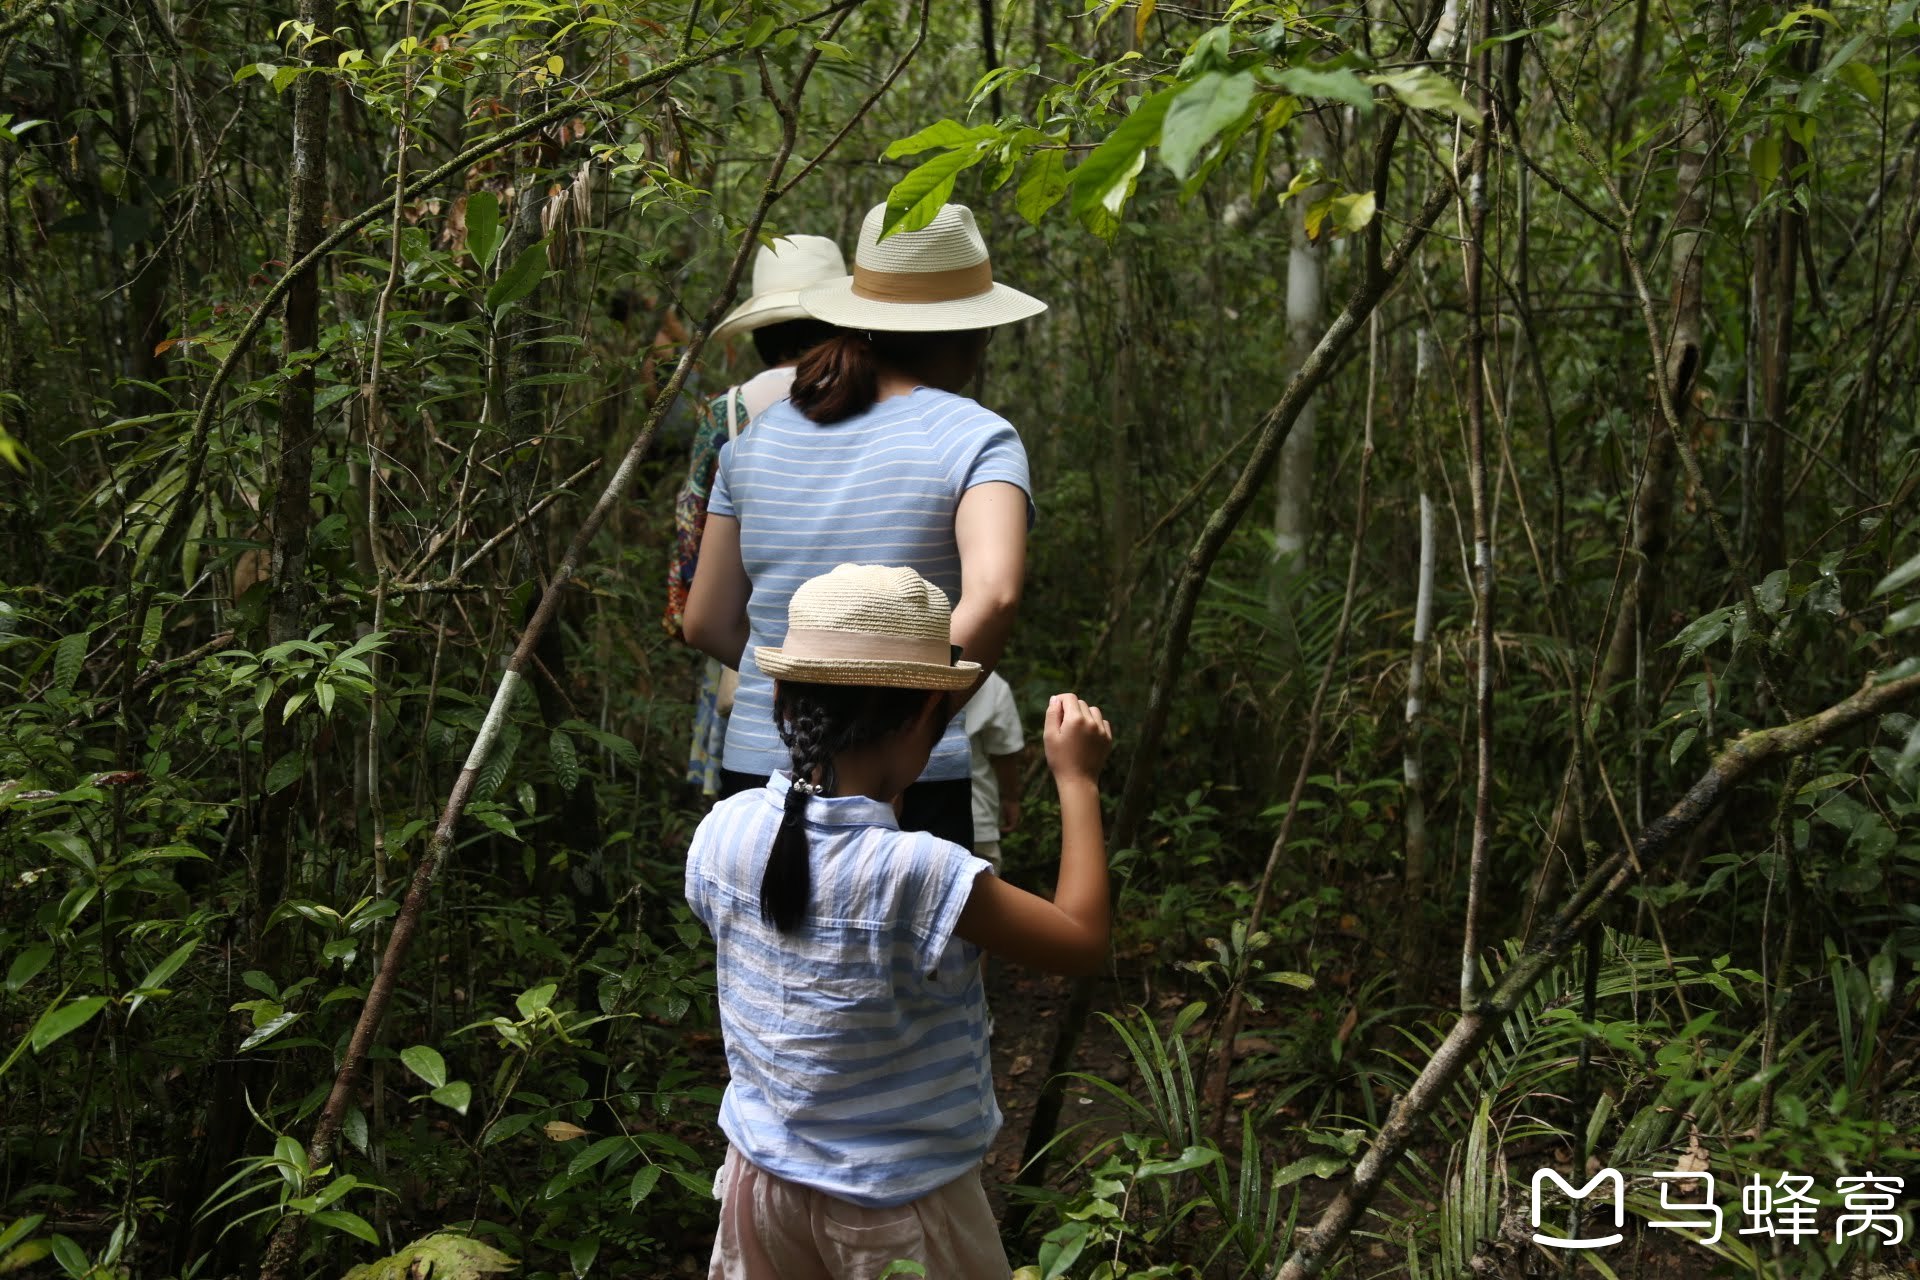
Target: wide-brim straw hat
(869,624)
(936,279)
(780,273)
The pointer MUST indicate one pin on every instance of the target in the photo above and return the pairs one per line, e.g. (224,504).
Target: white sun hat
(931,280)
(779,274)
(872,625)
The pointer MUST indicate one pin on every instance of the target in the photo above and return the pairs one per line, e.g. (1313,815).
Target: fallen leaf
(1021,1065)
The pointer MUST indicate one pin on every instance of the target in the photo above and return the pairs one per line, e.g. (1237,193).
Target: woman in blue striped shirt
(875,458)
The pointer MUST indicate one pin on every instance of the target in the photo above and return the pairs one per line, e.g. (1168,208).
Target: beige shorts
(772,1229)
(990,850)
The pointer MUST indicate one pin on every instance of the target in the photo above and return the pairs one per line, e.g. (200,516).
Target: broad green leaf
(1042,184)
(269,1029)
(67,657)
(27,965)
(1347,214)
(520,278)
(1199,113)
(455,1094)
(645,1178)
(1190,1159)
(1764,159)
(351,1223)
(758,33)
(566,762)
(534,999)
(72,1259)
(1894,581)
(287,769)
(1681,742)
(950,134)
(64,1020)
(1341,86)
(581,1253)
(483,227)
(917,198)
(1100,181)
(1428,90)
(425,1061)
(443,1257)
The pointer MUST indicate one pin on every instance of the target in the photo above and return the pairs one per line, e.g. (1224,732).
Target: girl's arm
(1069,934)
(716,621)
(990,529)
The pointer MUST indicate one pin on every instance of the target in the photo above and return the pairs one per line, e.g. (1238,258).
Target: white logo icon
(1611,1176)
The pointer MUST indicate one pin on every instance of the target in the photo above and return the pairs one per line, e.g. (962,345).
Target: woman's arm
(1068,935)
(990,528)
(716,621)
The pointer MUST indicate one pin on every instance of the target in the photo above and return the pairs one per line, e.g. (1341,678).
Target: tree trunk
(1306,290)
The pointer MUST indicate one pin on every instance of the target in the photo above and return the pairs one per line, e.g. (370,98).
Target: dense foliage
(1453,428)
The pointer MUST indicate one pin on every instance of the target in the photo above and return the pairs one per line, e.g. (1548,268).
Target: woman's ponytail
(837,379)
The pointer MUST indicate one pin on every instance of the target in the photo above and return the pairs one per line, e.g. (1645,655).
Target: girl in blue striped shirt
(861,1099)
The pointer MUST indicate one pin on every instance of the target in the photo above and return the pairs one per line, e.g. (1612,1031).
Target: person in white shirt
(994,735)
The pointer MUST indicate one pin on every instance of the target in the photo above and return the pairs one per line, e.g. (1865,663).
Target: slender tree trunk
(1479,851)
(1413,932)
(1306,291)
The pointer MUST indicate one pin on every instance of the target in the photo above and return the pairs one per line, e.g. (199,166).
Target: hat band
(805,642)
(923,286)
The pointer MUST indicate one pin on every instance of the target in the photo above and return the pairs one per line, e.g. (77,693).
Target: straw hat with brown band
(867,624)
(936,279)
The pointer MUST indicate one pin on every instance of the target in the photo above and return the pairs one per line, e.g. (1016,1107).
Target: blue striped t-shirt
(857,1044)
(882,487)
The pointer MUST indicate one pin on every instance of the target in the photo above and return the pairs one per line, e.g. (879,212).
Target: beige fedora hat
(869,624)
(934,279)
(779,274)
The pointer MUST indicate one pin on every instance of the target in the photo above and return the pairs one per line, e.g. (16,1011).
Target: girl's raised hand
(1078,738)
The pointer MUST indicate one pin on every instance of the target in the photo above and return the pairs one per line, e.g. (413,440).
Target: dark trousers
(944,808)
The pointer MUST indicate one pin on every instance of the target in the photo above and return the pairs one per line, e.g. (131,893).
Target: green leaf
(16,1231)
(351,1223)
(566,761)
(917,198)
(758,33)
(1061,1249)
(268,1030)
(1427,90)
(157,978)
(67,657)
(285,772)
(581,1253)
(425,1061)
(455,1094)
(1341,85)
(521,278)
(1681,742)
(483,227)
(1100,182)
(1347,214)
(27,965)
(645,1178)
(950,134)
(534,999)
(1892,582)
(596,1153)
(1042,184)
(70,1257)
(1190,1159)
(444,1257)
(1199,113)
(64,1020)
